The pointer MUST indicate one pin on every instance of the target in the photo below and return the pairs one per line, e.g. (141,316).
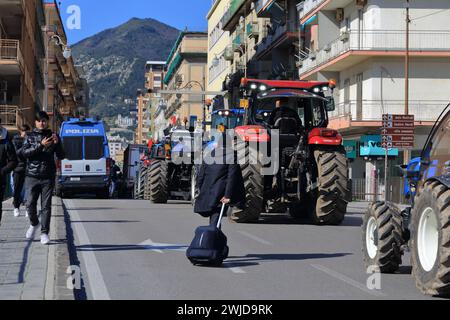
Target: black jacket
(8,158)
(22,162)
(216,181)
(40,160)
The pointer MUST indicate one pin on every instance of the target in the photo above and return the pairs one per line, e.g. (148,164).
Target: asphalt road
(132,249)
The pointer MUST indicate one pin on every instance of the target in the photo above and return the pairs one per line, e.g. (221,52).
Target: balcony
(368,113)
(283,34)
(309,8)
(232,15)
(352,47)
(9,116)
(238,42)
(11,61)
(253,29)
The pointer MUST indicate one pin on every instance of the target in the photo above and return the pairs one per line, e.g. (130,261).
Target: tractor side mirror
(330,104)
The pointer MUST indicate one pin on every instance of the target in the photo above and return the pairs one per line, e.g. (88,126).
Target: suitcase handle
(222,211)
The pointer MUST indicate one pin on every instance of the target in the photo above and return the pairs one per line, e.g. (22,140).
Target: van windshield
(93,148)
(73,147)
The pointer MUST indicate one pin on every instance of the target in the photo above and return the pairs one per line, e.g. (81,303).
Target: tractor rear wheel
(254,189)
(332,192)
(430,241)
(159,188)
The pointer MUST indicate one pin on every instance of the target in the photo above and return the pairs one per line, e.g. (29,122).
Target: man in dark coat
(219,183)
(19,171)
(8,161)
(40,148)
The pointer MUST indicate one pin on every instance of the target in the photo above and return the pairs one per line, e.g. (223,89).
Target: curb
(58,257)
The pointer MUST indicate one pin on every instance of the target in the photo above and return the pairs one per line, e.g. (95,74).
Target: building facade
(186,69)
(21,61)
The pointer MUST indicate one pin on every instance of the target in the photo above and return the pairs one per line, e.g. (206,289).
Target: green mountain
(114,61)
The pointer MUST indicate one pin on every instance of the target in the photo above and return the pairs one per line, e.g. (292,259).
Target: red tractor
(310,179)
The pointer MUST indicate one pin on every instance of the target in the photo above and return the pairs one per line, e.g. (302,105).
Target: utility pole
(406,152)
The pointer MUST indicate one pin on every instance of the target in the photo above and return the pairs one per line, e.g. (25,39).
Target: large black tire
(333,194)
(385,238)
(254,190)
(433,279)
(159,188)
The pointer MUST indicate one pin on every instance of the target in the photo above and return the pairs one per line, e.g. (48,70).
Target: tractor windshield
(227,118)
(310,108)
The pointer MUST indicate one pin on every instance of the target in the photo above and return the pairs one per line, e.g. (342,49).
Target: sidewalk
(29,270)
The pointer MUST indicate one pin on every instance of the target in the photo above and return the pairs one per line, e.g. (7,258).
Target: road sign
(397,131)
(393,131)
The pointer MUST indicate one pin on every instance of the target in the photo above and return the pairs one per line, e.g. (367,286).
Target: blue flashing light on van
(87,167)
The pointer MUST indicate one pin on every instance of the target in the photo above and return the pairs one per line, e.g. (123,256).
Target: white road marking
(160,247)
(95,278)
(258,239)
(229,266)
(348,280)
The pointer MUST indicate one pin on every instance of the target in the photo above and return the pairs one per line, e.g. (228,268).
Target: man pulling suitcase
(220,185)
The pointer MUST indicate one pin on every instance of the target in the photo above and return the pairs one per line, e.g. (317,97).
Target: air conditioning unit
(345,35)
(361,3)
(228,54)
(339,14)
(253,30)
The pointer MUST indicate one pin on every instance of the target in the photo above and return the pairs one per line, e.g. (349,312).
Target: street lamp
(189,85)
(67,53)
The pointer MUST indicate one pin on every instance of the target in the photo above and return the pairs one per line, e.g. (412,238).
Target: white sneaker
(45,239)
(31,231)
(26,214)
(16,212)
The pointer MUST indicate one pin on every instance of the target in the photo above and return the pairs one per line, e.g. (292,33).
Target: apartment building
(21,61)
(219,66)
(362,44)
(186,69)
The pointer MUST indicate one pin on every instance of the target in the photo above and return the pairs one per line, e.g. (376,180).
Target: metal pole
(406,152)
(386,175)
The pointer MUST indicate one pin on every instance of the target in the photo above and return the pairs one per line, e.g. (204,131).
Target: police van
(87,166)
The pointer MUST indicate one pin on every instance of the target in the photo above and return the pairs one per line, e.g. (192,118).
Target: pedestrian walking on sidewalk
(39,149)
(19,171)
(8,161)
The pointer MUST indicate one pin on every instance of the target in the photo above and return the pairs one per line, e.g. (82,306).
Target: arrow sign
(161,247)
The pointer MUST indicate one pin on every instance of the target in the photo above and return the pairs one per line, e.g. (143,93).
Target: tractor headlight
(253,86)
(324,89)
(316,90)
(263,87)
(227,113)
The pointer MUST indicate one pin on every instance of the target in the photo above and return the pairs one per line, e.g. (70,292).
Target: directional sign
(397,131)
(393,131)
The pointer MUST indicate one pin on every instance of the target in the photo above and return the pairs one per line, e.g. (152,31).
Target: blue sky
(98,15)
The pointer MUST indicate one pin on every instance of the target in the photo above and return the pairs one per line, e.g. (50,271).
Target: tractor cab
(227,119)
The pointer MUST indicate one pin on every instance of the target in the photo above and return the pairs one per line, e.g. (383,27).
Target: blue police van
(87,166)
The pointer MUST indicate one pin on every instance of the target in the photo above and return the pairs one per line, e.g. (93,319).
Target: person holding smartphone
(39,149)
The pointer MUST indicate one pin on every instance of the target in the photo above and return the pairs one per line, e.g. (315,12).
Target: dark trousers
(19,181)
(44,188)
(2,192)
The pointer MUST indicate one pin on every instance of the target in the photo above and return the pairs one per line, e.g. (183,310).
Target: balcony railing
(372,110)
(9,115)
(308,6)
(10,50)
(377,40)
(275,35)
(232,9)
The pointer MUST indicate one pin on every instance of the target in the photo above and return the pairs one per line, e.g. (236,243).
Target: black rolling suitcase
(209,246)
